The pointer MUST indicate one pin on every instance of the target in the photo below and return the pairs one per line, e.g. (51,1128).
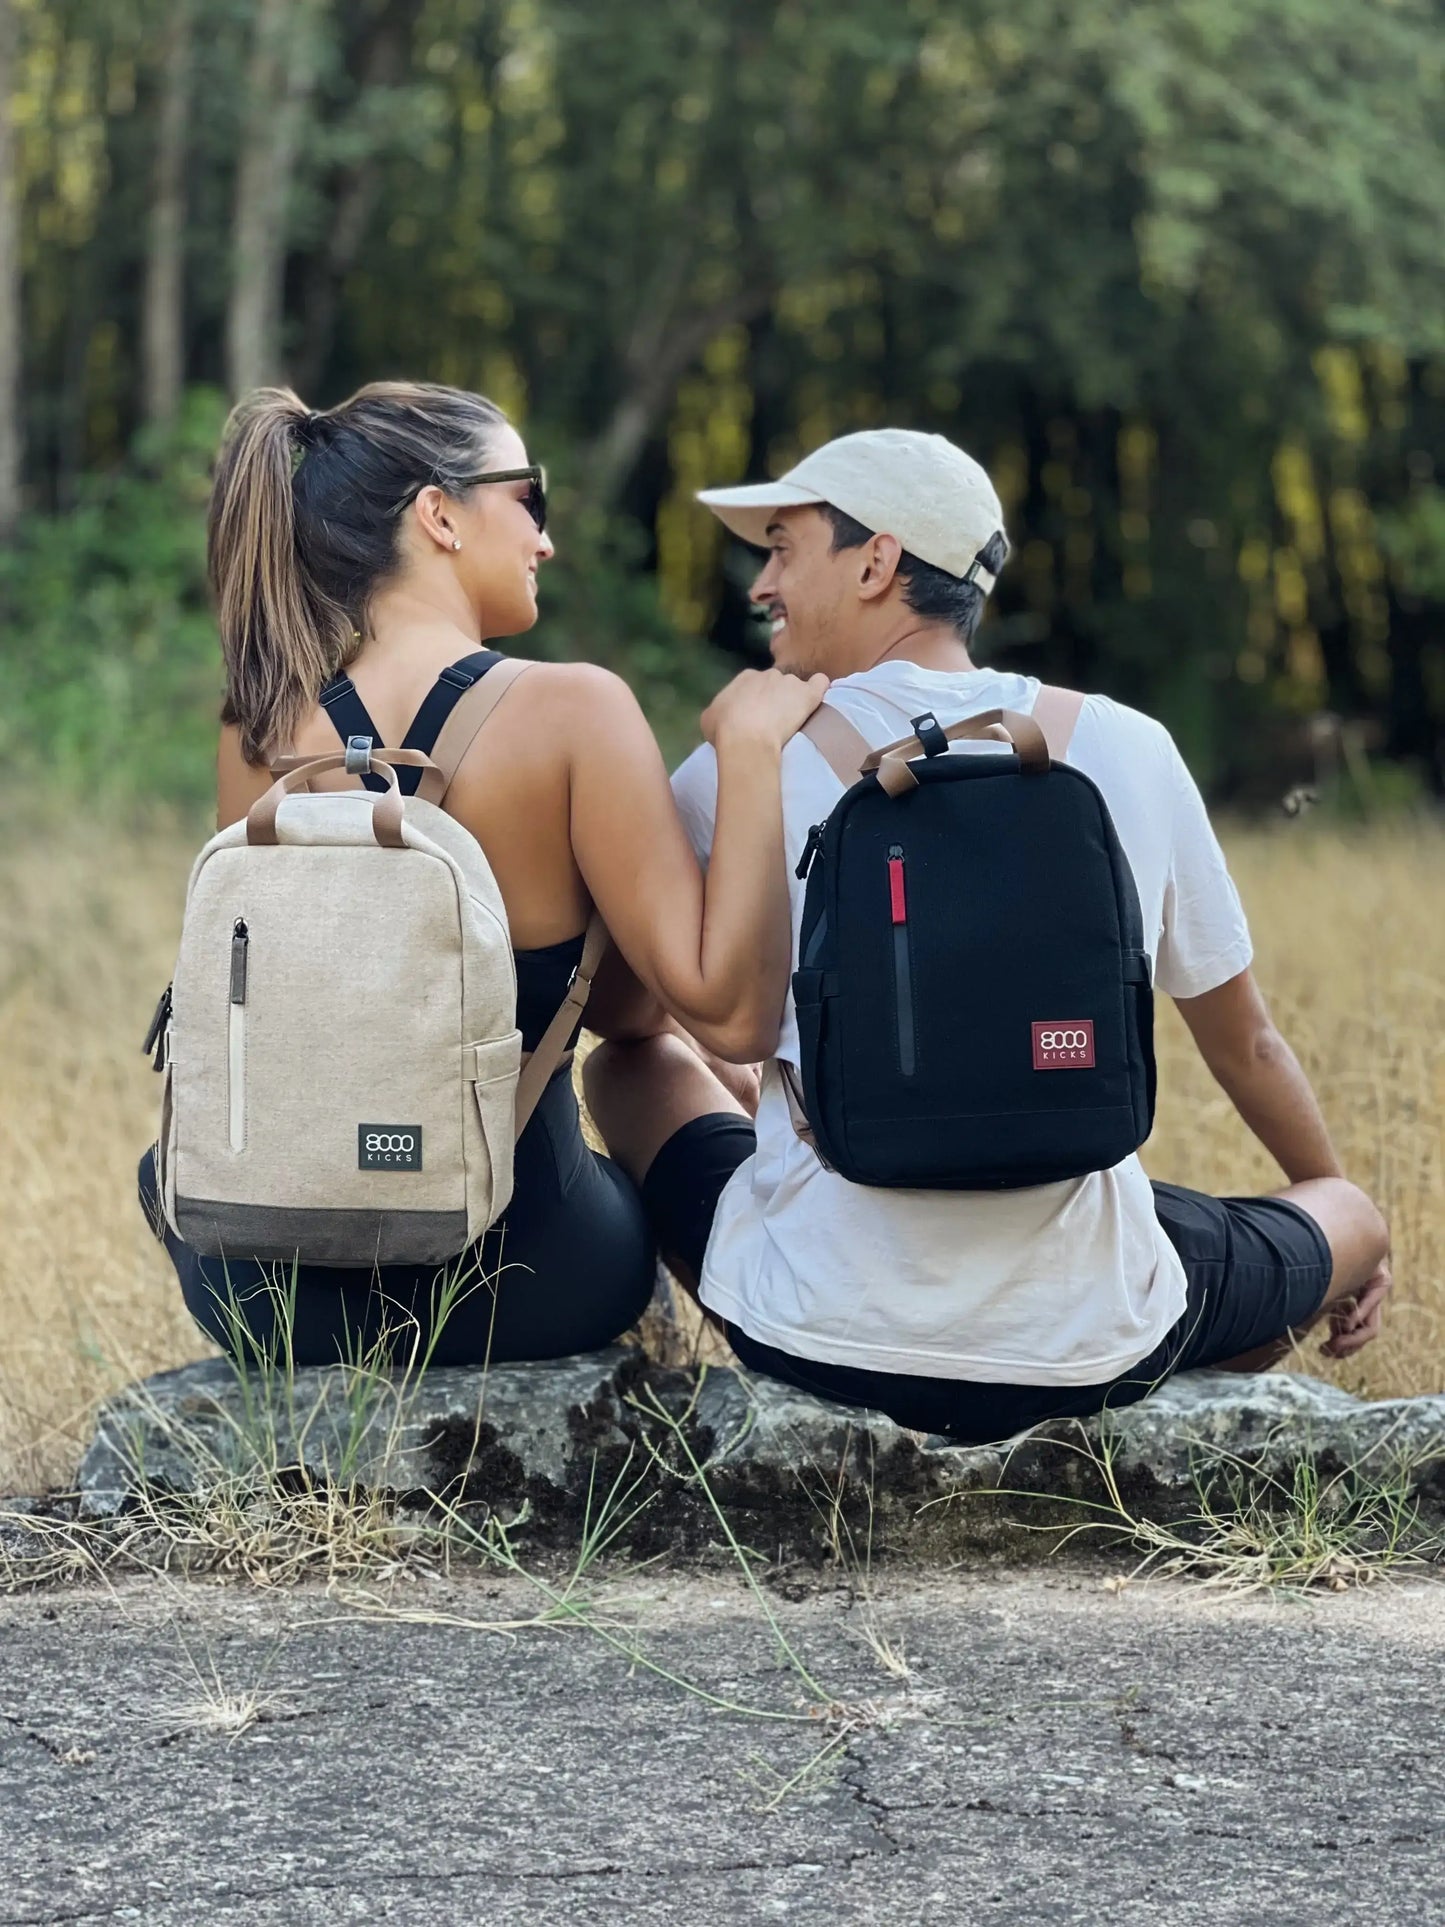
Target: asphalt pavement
(1059,1749)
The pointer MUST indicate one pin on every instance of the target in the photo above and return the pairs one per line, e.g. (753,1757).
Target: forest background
(1172,270)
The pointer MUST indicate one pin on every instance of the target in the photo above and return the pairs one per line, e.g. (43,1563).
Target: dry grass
(1351,939)
(1349,935)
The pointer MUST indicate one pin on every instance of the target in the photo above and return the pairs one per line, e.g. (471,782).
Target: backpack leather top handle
(845,750)
(998,725)
(386,813)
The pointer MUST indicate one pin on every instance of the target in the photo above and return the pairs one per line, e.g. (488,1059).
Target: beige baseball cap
(936,500)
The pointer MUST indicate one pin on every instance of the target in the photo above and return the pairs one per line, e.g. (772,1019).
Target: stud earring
(456,541)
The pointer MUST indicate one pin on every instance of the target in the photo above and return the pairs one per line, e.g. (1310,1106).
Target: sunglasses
(534,501)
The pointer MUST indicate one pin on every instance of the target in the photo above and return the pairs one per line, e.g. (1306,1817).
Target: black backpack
(973,994)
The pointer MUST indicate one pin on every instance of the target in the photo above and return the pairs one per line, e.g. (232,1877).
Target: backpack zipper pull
(240,950)
(810,849)
(155,1035)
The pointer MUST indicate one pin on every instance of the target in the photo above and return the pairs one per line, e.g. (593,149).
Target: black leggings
(568,1269)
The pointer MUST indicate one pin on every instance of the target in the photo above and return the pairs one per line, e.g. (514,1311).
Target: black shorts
(569,1268)
(1255,1268)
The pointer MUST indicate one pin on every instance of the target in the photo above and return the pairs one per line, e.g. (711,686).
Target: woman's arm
(620,1007)
(716,951)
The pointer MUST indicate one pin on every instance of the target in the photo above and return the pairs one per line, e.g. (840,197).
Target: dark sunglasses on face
(534,501)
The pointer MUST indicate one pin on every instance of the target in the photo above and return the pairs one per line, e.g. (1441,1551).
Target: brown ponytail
(296,551)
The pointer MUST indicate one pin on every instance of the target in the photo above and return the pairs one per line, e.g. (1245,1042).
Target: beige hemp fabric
(342,1053)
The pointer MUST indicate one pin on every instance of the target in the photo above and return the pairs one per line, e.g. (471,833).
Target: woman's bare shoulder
(579,685)
(580,708)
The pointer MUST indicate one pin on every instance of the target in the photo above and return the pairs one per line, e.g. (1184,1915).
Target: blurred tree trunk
(664,345)
(11,444)
(382,62)
(282,75)
(163,316)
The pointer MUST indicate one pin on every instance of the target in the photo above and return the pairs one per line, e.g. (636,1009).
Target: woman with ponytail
(359,552)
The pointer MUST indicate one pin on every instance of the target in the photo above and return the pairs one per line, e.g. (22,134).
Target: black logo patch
(388,1147)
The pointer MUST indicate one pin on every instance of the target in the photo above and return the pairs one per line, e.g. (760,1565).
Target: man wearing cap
(979,1313)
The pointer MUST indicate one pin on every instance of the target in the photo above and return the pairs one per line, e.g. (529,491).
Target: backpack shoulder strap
(439,702)
(1057,712)
(469,709)
(538,1069)
(348,716)
(842,747)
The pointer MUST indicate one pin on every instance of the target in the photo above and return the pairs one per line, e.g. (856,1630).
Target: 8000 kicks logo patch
(388,1147)
(1064,1047)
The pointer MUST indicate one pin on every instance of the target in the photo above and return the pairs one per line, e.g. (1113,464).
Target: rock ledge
(793,1475)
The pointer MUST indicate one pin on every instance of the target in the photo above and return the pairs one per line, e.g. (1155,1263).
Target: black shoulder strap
(448,689)
(349,718)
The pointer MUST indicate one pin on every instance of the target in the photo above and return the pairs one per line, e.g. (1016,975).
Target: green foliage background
(1172,269)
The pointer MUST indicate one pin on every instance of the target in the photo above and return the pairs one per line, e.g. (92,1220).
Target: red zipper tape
(897,899)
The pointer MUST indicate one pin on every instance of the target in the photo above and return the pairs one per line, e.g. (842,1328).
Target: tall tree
(163,310)
(379,63)
(11,440)
(285,58)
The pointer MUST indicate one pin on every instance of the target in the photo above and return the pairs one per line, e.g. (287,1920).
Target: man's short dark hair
(931,593)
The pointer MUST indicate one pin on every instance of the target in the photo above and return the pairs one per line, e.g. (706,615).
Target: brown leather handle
(386,814)
(1021,732)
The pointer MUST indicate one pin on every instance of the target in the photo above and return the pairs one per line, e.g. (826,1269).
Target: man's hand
(1355,1321)
(741,1081)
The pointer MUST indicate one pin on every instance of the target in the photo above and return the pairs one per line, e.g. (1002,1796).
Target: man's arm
(1261,1076)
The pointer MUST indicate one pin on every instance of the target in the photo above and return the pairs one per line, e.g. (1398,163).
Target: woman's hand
(715,954)
(762,705)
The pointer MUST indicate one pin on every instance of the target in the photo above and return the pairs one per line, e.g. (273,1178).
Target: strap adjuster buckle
(930,734)
(358,755)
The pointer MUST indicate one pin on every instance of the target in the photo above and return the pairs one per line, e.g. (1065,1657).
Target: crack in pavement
(601,1870)
(66,1755)
(877,1810)
(197,1730)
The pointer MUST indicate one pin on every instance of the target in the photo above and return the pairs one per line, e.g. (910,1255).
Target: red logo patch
(1060,1046)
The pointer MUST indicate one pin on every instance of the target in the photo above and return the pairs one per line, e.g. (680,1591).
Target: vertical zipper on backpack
(902,972)
(236,1051)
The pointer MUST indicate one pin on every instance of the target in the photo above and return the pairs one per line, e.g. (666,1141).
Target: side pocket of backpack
(812,1015)
(494,1069)
(166,1149)
(1141,1010)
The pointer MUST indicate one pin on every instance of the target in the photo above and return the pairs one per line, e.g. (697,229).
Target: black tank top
(543,976)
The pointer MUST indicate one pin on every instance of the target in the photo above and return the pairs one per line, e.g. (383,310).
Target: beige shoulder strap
(459,731)
(843,748)
(1056,712)
(538,1069)
(454,739)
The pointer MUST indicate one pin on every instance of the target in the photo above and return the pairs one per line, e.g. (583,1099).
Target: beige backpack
(343,1078)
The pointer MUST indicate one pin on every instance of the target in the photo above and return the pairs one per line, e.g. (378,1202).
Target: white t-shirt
(1060,1284)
